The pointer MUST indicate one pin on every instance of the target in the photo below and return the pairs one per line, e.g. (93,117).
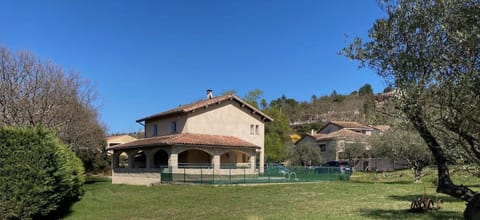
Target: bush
(38,174)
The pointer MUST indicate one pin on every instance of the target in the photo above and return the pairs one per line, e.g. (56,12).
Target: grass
(366,196)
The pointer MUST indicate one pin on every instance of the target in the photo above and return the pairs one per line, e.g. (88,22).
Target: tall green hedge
(38,173)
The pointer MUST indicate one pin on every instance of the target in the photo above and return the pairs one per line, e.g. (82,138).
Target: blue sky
(145,57)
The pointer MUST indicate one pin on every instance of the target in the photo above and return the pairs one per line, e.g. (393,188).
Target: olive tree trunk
(445,185)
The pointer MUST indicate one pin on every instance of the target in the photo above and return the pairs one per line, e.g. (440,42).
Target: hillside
(362,106)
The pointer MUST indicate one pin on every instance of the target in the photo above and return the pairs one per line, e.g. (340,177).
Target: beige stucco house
(221,135)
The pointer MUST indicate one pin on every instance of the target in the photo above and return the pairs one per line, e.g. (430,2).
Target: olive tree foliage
(429,51)
(354,151)
(404,143)
(39,93)
(305,153)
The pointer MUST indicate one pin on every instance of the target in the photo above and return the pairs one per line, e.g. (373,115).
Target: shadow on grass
(406,214)
(410,198)
(97,179)
(405,182)
(65,209)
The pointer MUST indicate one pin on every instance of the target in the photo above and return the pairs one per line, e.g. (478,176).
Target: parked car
(276,168)
(335,167)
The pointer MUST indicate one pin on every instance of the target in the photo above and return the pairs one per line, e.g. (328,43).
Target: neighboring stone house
(332,138)
(223,135)
(335,135)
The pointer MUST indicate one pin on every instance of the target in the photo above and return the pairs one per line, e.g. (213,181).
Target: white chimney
(209,94)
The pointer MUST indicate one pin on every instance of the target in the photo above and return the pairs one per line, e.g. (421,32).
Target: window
(173,127)
(252,129)
(257,131)
(323,147)
(154,130)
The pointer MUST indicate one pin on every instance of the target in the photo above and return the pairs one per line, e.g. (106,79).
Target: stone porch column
(252,162)
(149,157)
(216,163)
(115,159)
(173,161)
(131,159)
(262,160)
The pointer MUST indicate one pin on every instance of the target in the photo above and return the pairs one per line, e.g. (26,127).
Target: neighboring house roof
(351,125)
(184,109)
(120,138)
(381,128)
(342,133)
(186,139)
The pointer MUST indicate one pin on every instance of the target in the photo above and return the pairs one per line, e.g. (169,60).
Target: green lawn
(366,196)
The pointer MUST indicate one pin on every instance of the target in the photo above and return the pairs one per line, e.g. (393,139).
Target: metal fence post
(244,177)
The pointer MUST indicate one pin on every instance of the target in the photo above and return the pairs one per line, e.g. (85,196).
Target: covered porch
(144,164)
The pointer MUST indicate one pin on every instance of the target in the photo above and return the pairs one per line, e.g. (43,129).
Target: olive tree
(429,52)
(401,142)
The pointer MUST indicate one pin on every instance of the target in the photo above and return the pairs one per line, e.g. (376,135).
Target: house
(335,135)
(116,140)
(220,135)
(332,138)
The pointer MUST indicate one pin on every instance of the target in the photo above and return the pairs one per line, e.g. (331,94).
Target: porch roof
(189,139)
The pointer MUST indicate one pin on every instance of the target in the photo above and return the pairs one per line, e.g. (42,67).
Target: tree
(308,153)
(253,97)
(38,173)
(40,93)
(429,52)
(365,90)
(354,151)
(276,135)
(402,142)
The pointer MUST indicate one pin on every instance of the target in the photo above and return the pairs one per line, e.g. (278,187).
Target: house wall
(226,118)
(163,125)
(330,152)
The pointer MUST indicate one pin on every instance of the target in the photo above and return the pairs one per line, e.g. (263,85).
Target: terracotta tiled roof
(350,125)
(342,133)
(186,139)
(183,109)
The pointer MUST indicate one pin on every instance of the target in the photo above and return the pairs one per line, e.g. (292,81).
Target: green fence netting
(232,174)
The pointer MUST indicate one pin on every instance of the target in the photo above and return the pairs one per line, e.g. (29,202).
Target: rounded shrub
(38,173)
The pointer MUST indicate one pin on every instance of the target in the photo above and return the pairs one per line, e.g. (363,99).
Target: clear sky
(149,56)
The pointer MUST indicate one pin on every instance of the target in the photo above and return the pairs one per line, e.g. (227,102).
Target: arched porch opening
(234,159)
(194,158)
(122,160)
(160,159)
(140,159)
